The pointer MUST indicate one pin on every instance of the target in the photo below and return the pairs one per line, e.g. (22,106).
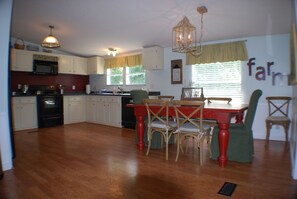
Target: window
(133,76)
(114,76)
(221,79)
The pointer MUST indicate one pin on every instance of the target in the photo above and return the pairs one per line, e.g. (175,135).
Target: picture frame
(176,71)
(293,56)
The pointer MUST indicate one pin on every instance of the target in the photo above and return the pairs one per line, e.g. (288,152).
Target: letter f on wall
(250,64)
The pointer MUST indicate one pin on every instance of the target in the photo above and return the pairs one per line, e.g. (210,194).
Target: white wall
(5,144)
(264,48)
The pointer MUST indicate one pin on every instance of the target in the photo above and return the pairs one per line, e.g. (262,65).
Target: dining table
(222,113)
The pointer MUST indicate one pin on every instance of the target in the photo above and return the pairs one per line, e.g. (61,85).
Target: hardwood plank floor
(89,161)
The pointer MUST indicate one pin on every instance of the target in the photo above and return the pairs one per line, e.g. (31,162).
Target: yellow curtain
(232,51)
(134,60)
(130,61)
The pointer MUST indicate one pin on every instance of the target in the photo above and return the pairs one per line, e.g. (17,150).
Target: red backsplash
(66,80)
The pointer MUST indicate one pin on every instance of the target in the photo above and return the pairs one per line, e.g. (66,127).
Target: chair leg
(286,127)
(177,150)
(149,136)
(267,130)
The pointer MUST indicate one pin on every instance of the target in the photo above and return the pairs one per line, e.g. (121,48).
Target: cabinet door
(91,109)
(95,65)
(115,111)
(66,64)
(100,109)
(24,113)
(76,109)
(80,65)
(21,60)
(153,58)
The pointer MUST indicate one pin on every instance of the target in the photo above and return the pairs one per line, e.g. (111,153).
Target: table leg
(239,118)
(140,131)
(223,143)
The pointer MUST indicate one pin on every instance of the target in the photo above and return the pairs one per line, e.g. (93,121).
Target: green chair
(138,96)
(241,144)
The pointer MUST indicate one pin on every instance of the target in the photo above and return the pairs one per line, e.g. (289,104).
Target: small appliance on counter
(88,89)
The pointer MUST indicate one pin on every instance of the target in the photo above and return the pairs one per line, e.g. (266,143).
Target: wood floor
(89,161)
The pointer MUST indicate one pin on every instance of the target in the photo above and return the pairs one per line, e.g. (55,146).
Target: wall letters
(261,72)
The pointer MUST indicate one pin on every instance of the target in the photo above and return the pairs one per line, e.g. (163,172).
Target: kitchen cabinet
(21,60)
(109,110)
(104,110)
(74,109)
(80,65)
(91,115)
(153,58)
(95,65)
(66,64)
(24,113)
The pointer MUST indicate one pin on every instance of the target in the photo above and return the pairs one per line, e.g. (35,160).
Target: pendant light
(51,41)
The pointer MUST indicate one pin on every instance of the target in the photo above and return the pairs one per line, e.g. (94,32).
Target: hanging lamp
(51,41)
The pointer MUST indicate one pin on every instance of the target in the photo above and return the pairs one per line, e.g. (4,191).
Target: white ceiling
(89,27)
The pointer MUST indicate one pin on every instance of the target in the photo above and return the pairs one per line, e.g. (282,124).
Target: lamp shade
(51,41)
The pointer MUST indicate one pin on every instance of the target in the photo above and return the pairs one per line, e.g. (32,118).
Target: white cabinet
(65,64)
(24,113)
(105,110)
(21,60)
(91,115)
(80,65)
(153,58)
(95,65)
(74,109)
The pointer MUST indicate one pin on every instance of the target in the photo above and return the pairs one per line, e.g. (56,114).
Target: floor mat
(227,189)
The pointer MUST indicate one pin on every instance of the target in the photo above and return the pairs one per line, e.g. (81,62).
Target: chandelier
(50,41)
(112,51)
(184,36)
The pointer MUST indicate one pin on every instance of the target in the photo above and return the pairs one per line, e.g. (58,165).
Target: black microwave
(45,65)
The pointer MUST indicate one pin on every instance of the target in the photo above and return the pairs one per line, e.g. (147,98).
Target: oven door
(50,105)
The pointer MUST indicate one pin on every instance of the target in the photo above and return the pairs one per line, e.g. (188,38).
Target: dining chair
(219,99)
(156,109)
(278,108)
(190,125)
(241,144)
(166,97)
(138,96)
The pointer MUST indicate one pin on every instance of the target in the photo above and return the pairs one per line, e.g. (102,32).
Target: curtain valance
(232,51)
(129,61)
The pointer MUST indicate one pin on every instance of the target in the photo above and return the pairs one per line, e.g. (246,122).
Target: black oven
(50,110)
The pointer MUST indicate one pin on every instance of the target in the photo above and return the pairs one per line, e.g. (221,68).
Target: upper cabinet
(72,65)
(80,65)
(95,65)
(21,60)
(153,58)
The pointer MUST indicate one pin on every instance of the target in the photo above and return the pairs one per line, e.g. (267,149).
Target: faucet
(121,89)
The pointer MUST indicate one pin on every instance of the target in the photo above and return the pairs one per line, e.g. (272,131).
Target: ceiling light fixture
(184,35)
(50,41)
(112,51)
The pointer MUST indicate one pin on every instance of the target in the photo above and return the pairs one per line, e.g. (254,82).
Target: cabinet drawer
(28,100)
(75,99)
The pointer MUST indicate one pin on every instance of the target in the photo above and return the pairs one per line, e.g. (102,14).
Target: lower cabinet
(74,109)
(104,110)
(24,113)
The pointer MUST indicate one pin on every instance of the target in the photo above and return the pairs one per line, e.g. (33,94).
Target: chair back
(166,97)
(138,96)
(194,117)
(157,111)
(219,99)
(278,105)
(250,115)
